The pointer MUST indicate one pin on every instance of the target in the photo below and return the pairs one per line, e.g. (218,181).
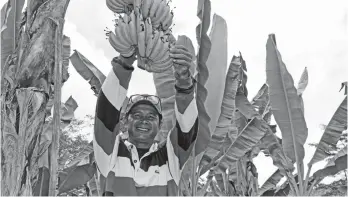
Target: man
(132,162)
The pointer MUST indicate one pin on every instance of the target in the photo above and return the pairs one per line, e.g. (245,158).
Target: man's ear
(160,123)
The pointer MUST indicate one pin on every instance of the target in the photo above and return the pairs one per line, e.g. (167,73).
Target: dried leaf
(68,109)
(10,18)
(344,85)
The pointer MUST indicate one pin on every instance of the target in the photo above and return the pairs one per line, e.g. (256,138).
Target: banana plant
(27,51)
(287,107)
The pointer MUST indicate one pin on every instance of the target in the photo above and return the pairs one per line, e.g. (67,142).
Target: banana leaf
(88,71)
(93,186)
(261,99)
(204,49)
(41,186)
(271,182)
(203,191)
(10,19)
(75,176)
(203,13)
(224,125)
(332,133)
(344,85)
(302,84)
(217,66)
(245,141)
(220,182)
(243,77)
(66,54)
(245,107)
(85,155)
(285,103)
(337,164)
(68,109)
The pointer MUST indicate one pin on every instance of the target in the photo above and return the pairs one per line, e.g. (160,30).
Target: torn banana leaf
(245,107)
(271,182)
(261,99)
(337,164)
(224,124)
(88,71)
(332,133)
(245,141)
(285,103)
(243,76)
(203,13)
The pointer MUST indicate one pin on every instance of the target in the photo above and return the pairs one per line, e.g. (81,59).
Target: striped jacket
(122,172)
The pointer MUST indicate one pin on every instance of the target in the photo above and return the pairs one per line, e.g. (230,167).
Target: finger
(180,56)
(180,51)
(180,66)
(181,70)
(182,62)
(181,47)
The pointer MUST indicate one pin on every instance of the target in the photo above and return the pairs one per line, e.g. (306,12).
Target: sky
(312,34)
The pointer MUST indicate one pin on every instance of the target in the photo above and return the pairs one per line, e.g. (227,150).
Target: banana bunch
(159,12)
(153,47)
(125,38)
(120,6)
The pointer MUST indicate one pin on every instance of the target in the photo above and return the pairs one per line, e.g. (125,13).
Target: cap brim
(144,102)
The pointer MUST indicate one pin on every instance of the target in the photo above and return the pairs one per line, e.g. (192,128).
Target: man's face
(143,125)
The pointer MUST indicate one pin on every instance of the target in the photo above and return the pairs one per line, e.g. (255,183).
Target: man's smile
(142,129)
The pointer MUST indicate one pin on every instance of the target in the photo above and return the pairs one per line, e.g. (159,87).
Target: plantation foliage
(35,59)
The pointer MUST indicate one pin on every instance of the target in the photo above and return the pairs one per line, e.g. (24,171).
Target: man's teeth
(142,129)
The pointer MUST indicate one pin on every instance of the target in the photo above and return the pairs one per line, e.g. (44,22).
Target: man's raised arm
(183,136)
(107,115)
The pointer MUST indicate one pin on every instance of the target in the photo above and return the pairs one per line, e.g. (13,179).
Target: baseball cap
(137,99)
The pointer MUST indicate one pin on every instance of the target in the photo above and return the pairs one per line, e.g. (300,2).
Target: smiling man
(131,163)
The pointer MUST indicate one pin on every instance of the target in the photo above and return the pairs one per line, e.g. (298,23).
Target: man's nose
(144,120)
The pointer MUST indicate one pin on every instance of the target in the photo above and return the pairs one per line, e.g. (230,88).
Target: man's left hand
(183,61)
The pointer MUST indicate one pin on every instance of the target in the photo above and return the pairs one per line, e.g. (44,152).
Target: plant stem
(312,186)
(194,169)
(300,172)
(57,105)
(307,178)
(292,181)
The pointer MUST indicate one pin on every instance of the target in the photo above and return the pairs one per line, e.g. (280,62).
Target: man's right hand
(128,61)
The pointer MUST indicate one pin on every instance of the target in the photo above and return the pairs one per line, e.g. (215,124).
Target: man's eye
(136,115)
(151,117)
